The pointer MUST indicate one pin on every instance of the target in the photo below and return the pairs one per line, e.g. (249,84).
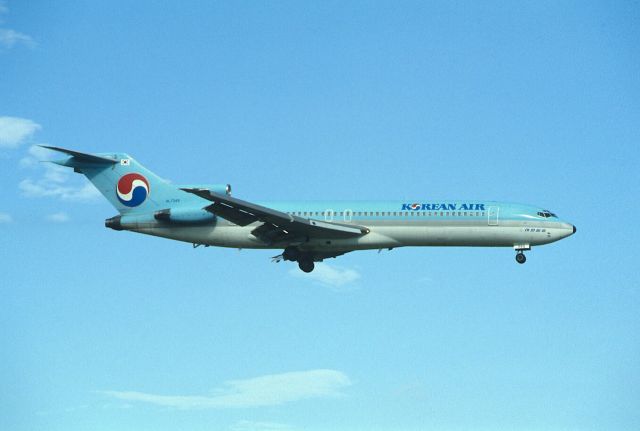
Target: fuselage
(391,224)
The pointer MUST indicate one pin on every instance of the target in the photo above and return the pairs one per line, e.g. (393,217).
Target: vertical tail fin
(127,185)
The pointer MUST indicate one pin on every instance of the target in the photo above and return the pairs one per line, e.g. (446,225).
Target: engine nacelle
(184,216)
(223,189)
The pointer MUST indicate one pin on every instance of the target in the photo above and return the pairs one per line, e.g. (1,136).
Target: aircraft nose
(574,228)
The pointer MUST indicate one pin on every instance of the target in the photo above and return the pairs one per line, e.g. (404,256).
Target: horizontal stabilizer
(82,157)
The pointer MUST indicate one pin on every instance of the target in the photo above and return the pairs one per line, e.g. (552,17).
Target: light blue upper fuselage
(400,211)
(389,210)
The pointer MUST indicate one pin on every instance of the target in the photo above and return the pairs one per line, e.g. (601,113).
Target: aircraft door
(328,215)
(492,215)
(348,214)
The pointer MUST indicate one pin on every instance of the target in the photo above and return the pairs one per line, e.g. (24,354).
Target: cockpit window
(546,214)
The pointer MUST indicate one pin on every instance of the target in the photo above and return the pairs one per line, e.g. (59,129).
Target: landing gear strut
(520,257)
(291,254)
(306,265)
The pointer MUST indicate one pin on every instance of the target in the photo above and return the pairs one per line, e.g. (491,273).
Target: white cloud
(5,218)
(59,217)
(328,275)
(8,37)
(244,425)
(36,154)
(47,188)
(15,131)
(269,390)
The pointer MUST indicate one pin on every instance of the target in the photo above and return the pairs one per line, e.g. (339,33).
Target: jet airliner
(307,232)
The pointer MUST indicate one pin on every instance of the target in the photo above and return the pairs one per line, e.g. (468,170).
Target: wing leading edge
(276,225)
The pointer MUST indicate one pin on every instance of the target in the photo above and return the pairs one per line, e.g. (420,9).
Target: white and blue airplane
(307,232)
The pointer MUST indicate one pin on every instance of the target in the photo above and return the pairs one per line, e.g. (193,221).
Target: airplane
(307,232)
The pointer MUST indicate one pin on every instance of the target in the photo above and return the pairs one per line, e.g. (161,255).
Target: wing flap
(270,233)
(234,215)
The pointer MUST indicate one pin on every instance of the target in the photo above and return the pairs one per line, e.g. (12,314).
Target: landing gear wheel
(306,265)
(521,258)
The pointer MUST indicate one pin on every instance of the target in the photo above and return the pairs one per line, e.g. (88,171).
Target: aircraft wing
(276,225)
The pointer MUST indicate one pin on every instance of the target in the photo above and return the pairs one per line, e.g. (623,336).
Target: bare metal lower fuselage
(383,234)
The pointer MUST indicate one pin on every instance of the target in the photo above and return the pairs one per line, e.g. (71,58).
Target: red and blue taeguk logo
(132,189)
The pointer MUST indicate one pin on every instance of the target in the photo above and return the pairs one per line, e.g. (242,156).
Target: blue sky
(533,102)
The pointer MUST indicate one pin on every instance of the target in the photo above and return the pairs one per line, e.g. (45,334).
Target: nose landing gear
(520,249)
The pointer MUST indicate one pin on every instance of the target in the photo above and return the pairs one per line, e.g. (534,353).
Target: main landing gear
(293,254)
(306,265)
(520,257)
